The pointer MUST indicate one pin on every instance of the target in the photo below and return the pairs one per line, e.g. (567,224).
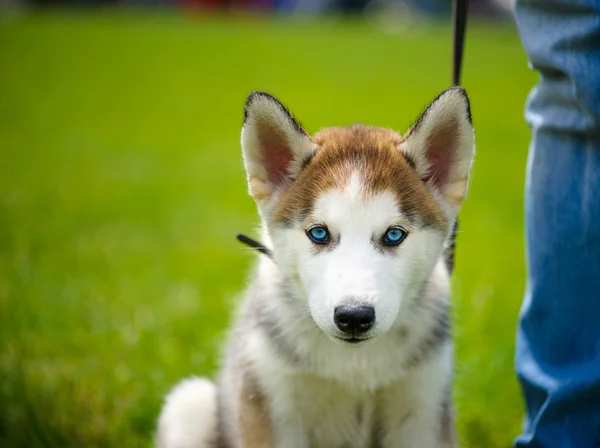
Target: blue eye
(394,236)
(319,235)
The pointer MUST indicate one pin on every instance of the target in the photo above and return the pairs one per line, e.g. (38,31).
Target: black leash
(254,244)
(459,24)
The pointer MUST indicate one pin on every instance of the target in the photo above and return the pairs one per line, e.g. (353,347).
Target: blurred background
(122,189)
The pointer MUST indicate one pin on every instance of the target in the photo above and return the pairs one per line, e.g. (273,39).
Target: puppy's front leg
(287,399)
(269,422)
(416,412)
(411,430)
(255,427)
(291,434)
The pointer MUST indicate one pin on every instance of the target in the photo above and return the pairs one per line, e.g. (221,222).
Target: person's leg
(558,341)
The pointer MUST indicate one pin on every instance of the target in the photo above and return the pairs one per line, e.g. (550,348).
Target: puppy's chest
(340,420)
(339,417)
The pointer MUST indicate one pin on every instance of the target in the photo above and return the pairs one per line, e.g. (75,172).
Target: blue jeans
(558,341)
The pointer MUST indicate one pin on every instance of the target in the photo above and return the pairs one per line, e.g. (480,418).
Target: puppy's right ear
(274,146)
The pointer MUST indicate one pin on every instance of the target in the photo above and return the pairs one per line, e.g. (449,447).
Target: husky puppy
(342,339)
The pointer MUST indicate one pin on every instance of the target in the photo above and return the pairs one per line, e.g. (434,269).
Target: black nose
(354,320)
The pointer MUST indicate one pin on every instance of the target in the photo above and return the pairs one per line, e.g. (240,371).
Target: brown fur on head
(427,169)
(370,150)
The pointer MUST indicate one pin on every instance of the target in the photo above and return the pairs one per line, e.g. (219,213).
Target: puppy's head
(358,216)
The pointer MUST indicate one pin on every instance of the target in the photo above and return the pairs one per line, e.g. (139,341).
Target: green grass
(121,190)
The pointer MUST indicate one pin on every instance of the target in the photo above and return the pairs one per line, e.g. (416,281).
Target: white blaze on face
(356,268)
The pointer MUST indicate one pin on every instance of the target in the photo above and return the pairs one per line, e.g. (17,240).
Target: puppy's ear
(274,146)
(441,145)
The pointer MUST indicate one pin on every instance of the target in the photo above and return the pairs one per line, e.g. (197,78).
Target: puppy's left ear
(441,145)
(275,147)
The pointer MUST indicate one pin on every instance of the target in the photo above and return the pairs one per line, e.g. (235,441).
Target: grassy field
(121,190)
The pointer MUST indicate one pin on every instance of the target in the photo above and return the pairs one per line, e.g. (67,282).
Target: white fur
(188,418)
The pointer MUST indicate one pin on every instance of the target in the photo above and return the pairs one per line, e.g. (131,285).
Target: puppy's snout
(354,319)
